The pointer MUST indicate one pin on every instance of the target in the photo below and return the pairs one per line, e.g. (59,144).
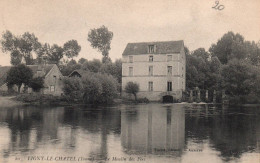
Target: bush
(72,88)
(37,84)
(92,88)
(36,98)
(132,88)
(99,88)
(143,100)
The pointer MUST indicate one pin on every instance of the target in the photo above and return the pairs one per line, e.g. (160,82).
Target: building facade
(50,73)
(159,68)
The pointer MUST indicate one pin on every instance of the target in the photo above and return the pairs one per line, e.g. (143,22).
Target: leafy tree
(92,88)
(72,88)
(109,88)
(16,57)
(201,71)
(114,69)
(37,84)
(239,78)
(92,66)
(132,88)
(18,75)
(71,48)
(100,39)
(55,54)
(253,52)
(99,88)
(197,68)
(228,47)
(20,46)
(69,67)
(82,61)
(202,53)
(42,53)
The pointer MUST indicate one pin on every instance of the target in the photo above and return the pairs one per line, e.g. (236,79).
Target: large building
(158,67)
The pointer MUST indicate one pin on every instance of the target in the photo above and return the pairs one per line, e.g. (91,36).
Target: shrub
(72,88)
(143,100)
(99,88)
(92,88)
(37,84)
(132,88)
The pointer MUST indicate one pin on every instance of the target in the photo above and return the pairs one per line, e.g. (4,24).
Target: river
(130,133)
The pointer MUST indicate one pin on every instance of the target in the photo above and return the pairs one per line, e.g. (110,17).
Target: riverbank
(9,101)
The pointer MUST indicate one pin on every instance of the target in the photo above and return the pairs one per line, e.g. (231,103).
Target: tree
(100,39)
(72,88)
(253,52)
(228,47)
(69,67)
(20,46)
(36,84)
(16,57)
(71,48)
(18,75)
(114,69)
(91,88)
(82,61)
(239,78)
(92,66)
(99,88)
(132,88)
(55,54)
(202,53)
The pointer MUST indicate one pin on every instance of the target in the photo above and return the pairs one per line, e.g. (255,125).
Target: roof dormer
(151,49)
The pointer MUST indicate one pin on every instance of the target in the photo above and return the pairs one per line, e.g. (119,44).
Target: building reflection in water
(151,130)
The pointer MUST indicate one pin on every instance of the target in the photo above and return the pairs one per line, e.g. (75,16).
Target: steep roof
(79,72)
(34,68)
(162,47)
(47,68)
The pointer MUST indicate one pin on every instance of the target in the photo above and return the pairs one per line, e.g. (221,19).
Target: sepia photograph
(130,81)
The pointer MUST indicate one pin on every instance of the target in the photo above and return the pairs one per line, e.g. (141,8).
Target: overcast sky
(194,21)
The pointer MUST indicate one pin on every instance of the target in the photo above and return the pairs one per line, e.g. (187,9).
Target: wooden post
(207,96)
(191,96)
(223,96)
(198,98)
(214,96)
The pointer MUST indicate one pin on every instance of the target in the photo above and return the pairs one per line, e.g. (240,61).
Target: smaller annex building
(159,68)
(50,72)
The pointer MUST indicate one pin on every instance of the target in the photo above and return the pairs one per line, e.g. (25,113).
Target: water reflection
(153,130)
(231,131)
(166,133)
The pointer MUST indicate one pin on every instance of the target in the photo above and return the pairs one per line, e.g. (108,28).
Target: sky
(194,21)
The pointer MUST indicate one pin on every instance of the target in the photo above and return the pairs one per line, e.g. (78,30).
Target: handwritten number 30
(218,7)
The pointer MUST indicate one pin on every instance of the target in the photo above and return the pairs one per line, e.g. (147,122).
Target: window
(131,58)
(54,78)
(150,88)
(130,71)
(169,70)
(52,88)
(169,86)
(150,58)
(169,58)
(150,70)
(151,49)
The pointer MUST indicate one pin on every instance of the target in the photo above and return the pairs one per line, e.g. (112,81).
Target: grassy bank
(8,101)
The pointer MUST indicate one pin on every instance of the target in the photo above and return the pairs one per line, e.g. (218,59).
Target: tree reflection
(231,131)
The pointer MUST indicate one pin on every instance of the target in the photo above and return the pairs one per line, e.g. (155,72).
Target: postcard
(129,81)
